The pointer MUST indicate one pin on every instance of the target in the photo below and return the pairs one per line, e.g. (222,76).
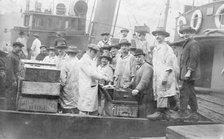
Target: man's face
(51,53)
(104,61)
(93,53)
(160,38)
(186,35)
(114,51)
(124,33)
(106,51)
(140,59)
(61,51)
(142,37)
(17,49)
(124,48)
(105,37)
(43,50)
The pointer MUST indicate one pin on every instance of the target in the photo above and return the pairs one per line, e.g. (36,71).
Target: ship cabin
(211,84)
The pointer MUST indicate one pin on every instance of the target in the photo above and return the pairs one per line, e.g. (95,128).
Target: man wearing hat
(43,53)
(35,47)
(164,79)
(69,80)
(22,39)
(142,43)
(189,72)
(124,34)
(126,66)
(12,75)
(105,40)
(105,69)
(114,54)
(88,82)
(51,58)
(62,56)
(142,85)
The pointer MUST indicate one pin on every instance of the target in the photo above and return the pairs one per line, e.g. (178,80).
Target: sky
(131,13)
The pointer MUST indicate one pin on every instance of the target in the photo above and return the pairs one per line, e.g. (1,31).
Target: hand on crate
(134,92)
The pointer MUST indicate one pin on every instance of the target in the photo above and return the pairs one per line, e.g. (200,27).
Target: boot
(193,117)
(180,115)
(155,116)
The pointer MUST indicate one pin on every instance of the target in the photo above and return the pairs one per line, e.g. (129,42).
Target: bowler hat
(94,47)
(72,49)
(161,31)
(124,30)
(61,46)
(132,48)
(17,44)
(187,29)
(114,46)
(51,48)
(139,52)
(107,56)
(43,46)
(105,34)
(125,42)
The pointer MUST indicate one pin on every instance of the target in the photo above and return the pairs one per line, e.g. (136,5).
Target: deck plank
(212,99)
(211,106)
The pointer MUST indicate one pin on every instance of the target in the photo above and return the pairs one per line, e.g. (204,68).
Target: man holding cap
(69,80)
(164,79)
(126,66)
(88,82)
(35,48)
(142,85)
(105,41)
(12,75)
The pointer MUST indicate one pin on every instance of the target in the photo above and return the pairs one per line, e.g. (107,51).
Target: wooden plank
(212,99)
(215,131)
(40,88)
(37,104)
(215,117)
(211,106)
(41,74)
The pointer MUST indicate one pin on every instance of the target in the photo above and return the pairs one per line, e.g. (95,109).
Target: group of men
(152,73)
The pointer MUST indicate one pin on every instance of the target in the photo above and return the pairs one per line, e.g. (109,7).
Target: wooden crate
(40,88)
(41,74)
(125,109)
(37,104)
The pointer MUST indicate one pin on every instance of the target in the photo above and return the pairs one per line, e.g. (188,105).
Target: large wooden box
(125,109)
(40,88)
(41,74)
(37,104)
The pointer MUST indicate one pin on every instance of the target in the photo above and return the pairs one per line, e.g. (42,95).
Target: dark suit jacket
(190,59)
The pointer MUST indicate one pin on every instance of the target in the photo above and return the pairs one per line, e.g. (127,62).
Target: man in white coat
(35,48)
(69,80)
(164,79)
(88,82)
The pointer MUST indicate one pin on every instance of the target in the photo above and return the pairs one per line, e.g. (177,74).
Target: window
(221,17)
(26,20)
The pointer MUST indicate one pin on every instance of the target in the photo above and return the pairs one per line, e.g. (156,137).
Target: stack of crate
(40,88)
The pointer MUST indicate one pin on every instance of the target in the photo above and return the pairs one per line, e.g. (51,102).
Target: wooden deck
(211,106)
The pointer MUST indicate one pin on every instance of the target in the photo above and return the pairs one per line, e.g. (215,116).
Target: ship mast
(166,13)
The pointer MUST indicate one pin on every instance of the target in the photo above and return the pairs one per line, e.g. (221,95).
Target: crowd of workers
(153,73)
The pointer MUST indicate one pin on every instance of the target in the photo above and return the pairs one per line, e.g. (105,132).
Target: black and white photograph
(111,69)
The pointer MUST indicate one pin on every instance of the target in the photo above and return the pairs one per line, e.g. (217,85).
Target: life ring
(179,24)
(197,14)
(217,20)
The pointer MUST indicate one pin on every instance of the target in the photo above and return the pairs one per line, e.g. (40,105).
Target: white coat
(163,60)
(35,48)
(88,85)
(69,77)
